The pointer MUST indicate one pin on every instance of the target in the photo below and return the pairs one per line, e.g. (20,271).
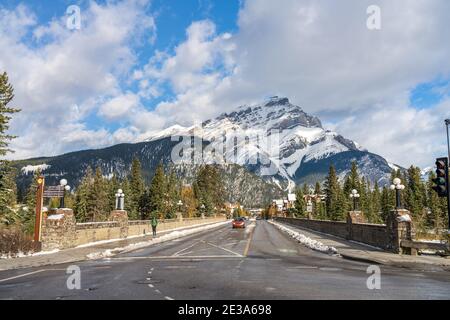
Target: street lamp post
(354,195)
(120,200)
(397,186)
(65,187)
(180,204)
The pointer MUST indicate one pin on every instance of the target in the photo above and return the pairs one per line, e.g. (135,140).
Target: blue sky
(138,66)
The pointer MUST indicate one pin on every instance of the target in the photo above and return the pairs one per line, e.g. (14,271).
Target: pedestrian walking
(154,225)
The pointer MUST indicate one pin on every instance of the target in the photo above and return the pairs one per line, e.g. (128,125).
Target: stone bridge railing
(387,236)
(60,230)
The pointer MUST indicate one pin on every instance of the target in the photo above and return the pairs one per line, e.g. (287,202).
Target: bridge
(206,258)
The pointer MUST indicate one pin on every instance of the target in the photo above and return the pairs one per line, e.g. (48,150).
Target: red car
(238,223)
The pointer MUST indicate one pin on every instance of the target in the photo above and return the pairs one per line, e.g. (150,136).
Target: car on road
(238,223)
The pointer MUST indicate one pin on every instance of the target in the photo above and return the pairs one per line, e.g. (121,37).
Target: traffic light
(441,181)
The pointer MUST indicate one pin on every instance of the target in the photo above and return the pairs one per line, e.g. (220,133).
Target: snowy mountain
(302,153)
(265,149)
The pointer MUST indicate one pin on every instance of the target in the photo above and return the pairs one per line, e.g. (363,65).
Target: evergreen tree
(137,190)
(415,195)
(172,194)
(299,204)
(113,186)
(319,211)
(305,189)
(98,198)
(385,203)
(208,189)
(8,191)
(83,191)
(335,200)
(6,96)
(376,203)
(157,193)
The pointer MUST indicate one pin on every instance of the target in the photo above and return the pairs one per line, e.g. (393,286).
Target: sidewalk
(365,253)
(98,249)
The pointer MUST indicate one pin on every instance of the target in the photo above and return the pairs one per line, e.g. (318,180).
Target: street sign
(54,192)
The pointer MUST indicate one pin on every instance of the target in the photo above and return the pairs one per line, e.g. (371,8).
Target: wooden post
(39,205)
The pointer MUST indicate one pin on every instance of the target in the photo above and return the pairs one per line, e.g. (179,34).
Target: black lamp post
(397,186)
(354,195)
(65,187)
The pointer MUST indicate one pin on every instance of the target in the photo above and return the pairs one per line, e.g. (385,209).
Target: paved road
(260,262)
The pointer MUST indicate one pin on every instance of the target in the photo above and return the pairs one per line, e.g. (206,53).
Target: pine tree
(299,204)
(415,195)
(157,192)
(385,203)
(113,186)
(6,96)
(28,215)
(8,190)
(318,204)
(376,203)
(335,202)
(81,207)
(305,189)
(208,189)
(98,198)
(137,190)
(172,194)
(8,195)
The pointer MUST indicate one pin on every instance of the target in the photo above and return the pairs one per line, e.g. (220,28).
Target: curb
(86,256)
(403,264)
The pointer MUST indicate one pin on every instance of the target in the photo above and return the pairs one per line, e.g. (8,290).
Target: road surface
(259,262)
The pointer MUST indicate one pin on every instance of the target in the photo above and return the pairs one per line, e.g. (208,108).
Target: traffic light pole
(447,124)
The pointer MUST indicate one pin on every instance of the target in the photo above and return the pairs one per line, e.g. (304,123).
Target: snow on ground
(21,254)
(308,242)
(166,237)
(55,217)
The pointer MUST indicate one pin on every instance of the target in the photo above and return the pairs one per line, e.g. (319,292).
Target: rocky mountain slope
(301,152)
(263,151)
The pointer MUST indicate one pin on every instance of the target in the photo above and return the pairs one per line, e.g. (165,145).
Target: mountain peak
(277,101)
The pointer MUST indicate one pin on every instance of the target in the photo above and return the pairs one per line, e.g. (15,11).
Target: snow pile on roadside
(308,242)
(21,254)
(167,237)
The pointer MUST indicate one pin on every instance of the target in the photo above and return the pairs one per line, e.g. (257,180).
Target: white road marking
(157,291)
(192,245)
(230,251)
(330,269)
(168,298)
(29,274)
(179,257)
(151,286)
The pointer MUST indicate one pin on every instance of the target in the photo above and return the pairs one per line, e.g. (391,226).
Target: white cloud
(119,106)
(322,56)
(65,68)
